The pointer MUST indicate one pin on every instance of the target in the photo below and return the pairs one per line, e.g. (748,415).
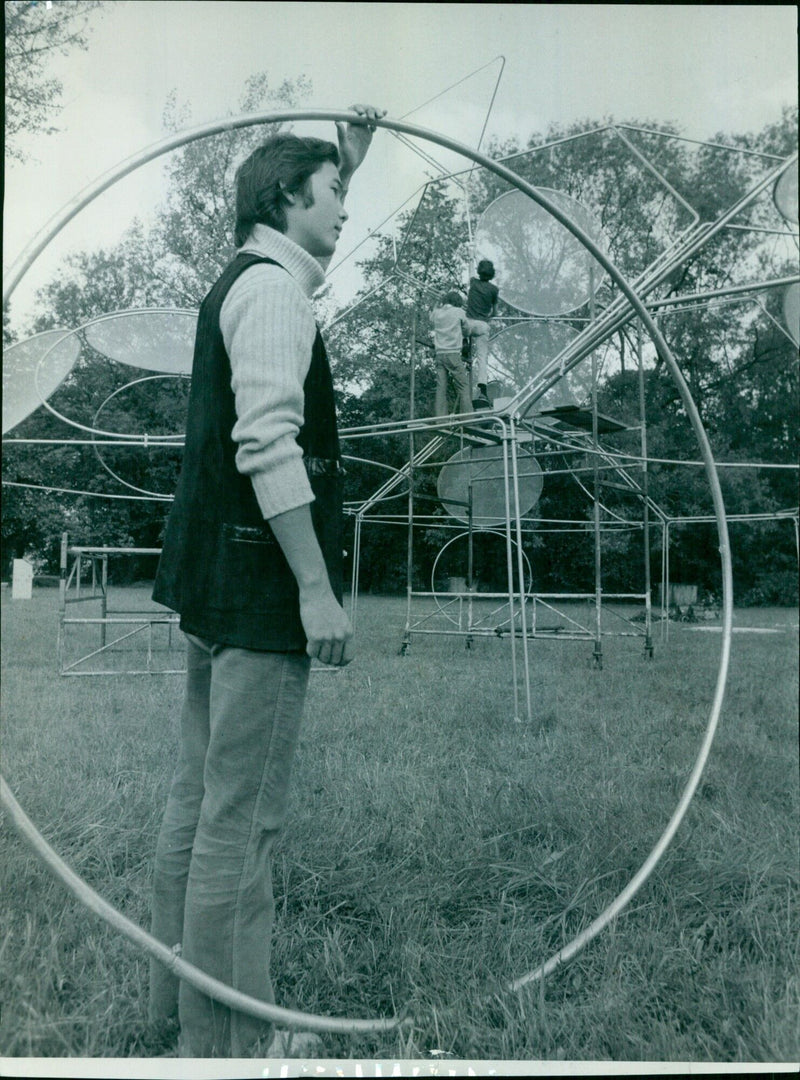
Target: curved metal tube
(234,999)
(452,540)
(145,440)
(31,252)
(99,456)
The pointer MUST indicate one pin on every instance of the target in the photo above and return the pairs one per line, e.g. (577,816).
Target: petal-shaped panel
(153,340)
(33,370)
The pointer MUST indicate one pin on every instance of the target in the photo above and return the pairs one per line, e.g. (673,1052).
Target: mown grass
(436,849)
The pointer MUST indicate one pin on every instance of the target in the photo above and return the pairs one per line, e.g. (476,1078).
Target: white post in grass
(21,580)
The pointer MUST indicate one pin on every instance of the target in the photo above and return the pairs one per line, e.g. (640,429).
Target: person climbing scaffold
(481,307)
(450,326)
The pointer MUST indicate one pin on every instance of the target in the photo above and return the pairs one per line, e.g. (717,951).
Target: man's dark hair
(455,299)
(485,270)
(282,165)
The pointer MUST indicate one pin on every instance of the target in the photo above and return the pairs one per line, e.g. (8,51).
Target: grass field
(436,850)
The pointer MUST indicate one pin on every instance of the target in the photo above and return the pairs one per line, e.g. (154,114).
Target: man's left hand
(355,138)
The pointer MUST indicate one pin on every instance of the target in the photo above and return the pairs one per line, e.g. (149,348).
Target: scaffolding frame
(791,515)
(516,612)
(134,622)
(561,433)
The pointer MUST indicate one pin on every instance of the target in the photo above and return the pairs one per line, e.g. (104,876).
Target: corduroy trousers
(227,803)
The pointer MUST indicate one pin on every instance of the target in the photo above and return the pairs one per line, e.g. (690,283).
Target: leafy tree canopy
(34,34)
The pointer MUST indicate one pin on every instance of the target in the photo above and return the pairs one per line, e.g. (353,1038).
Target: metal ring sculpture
(460,536)
(34,249)
(99,456)
(165,440)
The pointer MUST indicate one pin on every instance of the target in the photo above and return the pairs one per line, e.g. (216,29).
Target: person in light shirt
(252,561)
(450,326)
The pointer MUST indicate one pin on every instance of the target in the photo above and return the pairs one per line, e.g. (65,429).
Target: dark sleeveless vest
(221,566)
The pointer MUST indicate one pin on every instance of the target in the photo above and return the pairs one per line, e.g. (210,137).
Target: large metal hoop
(99,456)
(460,536)
(37,245)
(234,999)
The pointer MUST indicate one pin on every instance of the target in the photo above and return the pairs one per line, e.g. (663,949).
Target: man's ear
(290,198)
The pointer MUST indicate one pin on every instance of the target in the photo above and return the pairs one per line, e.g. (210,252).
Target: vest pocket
(250,571)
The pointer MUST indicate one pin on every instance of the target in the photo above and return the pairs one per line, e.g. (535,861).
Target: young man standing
(252,562)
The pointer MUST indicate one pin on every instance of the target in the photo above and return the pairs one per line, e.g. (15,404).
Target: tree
(192,238)
(35,33)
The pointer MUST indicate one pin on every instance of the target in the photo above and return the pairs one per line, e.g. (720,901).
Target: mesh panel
(480,469)
(785,193)
(541,268)
(33,370)
(153,340)
(791,311)
(521,351)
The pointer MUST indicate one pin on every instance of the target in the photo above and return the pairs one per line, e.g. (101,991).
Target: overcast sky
(709,69)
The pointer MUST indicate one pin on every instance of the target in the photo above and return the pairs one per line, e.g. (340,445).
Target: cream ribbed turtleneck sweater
(268,327)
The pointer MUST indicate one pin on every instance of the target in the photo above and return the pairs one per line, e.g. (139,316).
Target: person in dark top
(252,561)
(481,307)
